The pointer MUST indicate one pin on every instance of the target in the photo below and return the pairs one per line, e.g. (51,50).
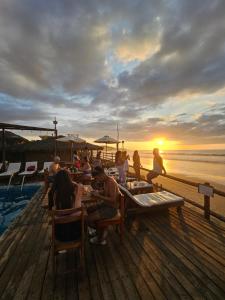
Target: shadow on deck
(167,255)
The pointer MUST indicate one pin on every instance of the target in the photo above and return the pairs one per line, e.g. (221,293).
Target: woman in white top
(158,167)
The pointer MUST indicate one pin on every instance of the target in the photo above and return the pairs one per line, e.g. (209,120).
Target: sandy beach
(217,202)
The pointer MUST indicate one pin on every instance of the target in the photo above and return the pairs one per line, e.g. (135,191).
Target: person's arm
(111,200)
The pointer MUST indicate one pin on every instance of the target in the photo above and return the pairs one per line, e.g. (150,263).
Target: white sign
(206,190)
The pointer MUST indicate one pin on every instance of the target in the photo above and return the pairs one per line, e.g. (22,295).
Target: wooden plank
(109,260)
(206,246)
(29,267)
(104,280)
(121,270)
(47,292)
(199,219)
(143,278)
(60,280)
(164,284)
(17,263)
(152,244)
(185,247)
(211,288)
(38,277)
(71,283)
(92,274)
(209,239)
(209,259)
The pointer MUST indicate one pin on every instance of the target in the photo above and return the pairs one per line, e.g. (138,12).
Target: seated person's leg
(151,175)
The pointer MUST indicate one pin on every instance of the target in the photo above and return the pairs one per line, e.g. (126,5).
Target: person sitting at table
(76,160)
(54,168)
(65,194)
(50,174)
(86,169)
(107,207)
(97,162)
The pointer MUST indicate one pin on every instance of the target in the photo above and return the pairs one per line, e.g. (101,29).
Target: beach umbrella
(71,139)
(106,140)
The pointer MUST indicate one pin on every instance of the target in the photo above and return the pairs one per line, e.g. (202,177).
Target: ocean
(208,165)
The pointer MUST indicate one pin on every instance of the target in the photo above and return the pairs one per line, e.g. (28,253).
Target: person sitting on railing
(158,167)
(136,164)
(107,207)
(65,194)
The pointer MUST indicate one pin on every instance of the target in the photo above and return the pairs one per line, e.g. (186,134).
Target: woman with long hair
(158,167)
(119,164)
(136,164)
(63,196)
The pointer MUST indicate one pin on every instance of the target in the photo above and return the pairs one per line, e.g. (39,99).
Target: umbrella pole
(71,152)
(106,148)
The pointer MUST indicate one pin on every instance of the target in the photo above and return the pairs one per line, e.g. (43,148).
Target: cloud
(17,112)
(109,62)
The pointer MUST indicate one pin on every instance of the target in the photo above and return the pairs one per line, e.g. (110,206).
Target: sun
(160,142)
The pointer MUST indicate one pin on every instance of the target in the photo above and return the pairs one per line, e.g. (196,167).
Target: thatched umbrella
(71,139)
(106,140)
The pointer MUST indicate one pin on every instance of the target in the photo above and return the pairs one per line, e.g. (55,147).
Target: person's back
(62,196)
(158,167)
(136,164)
(111,190)
(157,164)
(54,167)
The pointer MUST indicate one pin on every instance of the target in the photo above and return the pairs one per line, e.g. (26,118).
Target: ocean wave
(197,160)
(188,154)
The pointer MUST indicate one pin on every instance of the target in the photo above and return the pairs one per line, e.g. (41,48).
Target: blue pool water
(13,201)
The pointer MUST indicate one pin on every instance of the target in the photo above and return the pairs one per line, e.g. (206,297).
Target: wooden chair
(67,216)
(117,220)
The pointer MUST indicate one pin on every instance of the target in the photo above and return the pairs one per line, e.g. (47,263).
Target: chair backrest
(66,216)
(15,167)
(31,163)
(47,165)
(122,205)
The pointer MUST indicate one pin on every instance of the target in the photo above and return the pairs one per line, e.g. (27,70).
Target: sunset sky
(155,67)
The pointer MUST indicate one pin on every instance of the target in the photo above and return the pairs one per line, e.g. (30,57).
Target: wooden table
(139,187)
(76,176)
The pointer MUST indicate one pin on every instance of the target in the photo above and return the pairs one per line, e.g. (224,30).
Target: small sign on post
(208,192)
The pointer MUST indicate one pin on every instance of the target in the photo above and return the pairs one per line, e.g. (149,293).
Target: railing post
(207,205)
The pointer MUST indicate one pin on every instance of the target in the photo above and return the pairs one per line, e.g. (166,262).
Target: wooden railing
(110,157)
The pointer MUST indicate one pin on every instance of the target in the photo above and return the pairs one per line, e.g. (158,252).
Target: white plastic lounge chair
(163,198)
(27,166)
(47,165)
(13,168)
(152,201)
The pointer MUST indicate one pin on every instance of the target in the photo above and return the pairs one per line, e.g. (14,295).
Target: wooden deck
(164,256)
